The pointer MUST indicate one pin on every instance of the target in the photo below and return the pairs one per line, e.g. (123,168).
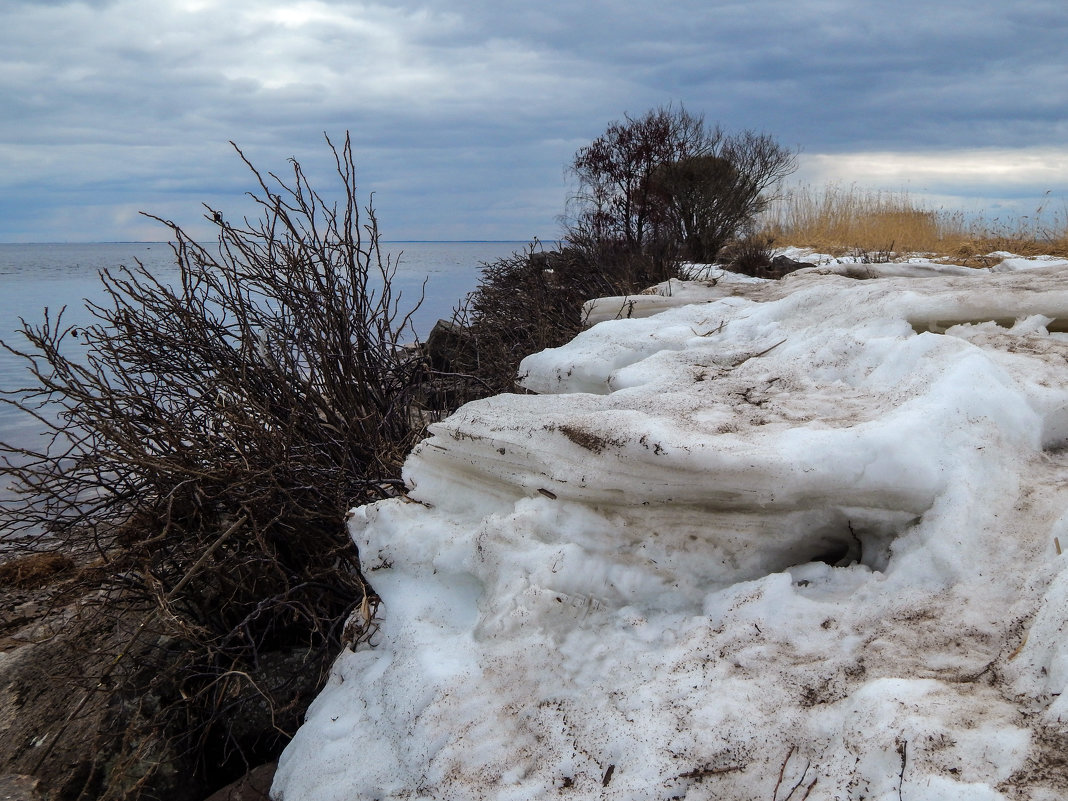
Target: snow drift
(795,539)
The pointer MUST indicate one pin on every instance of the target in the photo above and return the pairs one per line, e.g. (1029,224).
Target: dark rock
(57,725)
(448,346)
(50,725)
(253,786)
(783,265)
(16,787)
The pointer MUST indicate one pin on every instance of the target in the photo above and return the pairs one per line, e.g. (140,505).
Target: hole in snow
(842,537)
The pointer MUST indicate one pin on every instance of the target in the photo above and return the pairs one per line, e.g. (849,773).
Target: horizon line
(384,242)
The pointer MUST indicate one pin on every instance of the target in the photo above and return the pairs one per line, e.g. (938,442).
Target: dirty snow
(791,539)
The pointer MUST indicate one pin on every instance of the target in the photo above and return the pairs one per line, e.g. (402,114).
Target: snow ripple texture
(779,540)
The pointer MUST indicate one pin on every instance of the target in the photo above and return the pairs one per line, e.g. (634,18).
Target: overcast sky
(464,113)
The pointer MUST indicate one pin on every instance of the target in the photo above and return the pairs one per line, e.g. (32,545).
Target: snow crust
(795,539)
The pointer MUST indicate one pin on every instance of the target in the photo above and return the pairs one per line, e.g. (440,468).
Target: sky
(465,113)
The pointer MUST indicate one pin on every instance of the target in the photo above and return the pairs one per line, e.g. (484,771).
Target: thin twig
(782,770)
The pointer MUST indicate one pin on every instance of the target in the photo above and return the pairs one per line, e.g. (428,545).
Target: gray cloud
(465,113)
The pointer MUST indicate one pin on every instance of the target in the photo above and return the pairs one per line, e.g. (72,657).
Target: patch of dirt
(596,443)
(1046,767)
(66,733)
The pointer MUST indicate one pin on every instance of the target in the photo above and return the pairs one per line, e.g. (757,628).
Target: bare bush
(749,255)
(531,301)
(618,200)
(207,439)
(665,184)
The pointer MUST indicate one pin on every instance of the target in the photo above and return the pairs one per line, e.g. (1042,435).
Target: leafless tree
(665,182)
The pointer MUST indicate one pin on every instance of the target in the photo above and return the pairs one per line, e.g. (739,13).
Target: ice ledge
(775,539)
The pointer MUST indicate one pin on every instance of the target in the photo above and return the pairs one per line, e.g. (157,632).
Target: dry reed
(840,220)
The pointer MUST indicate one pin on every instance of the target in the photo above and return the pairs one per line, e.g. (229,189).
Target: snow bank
(796,540)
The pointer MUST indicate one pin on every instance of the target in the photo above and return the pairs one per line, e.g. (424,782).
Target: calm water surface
(33,277)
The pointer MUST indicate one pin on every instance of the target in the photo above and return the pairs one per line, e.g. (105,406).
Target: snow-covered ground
(780,540)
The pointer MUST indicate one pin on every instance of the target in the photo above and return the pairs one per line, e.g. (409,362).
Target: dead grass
(34,570)
(841,220)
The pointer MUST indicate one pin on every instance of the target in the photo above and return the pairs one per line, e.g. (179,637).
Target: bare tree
(666,182)
(615,171)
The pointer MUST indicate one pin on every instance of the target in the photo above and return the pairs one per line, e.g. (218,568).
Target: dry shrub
(208,438)
(533,300)
(750,255)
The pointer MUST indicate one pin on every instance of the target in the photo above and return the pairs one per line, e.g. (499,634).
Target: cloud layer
(464,113)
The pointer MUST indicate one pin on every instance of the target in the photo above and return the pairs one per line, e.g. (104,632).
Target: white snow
(773,539)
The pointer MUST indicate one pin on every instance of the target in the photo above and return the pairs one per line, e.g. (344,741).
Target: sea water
(35,277)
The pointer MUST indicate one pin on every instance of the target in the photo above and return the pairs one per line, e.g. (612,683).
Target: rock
(448,345)
(253,786)
(56,725)
(19,787)
(35,703)
(783,265)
